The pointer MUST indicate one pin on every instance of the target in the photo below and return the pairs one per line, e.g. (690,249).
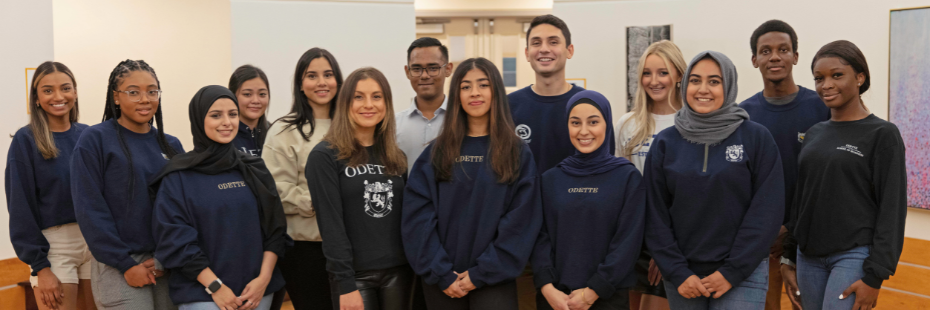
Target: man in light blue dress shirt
(427,68)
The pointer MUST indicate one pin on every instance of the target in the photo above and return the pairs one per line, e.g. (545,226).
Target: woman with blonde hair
(657,99)
(356,178)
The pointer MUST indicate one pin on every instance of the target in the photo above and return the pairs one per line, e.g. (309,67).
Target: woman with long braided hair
(110,167)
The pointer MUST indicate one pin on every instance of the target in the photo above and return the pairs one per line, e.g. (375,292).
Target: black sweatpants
(305,276)
(495,297)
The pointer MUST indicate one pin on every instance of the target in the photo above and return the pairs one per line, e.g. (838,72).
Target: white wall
(599,34)
(27,42)
(186,42)
(274,34)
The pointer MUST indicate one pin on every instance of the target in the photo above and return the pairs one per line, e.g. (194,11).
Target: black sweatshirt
(359,212)
(852,191)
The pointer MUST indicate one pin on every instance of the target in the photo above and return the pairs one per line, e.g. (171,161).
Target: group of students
(684,203)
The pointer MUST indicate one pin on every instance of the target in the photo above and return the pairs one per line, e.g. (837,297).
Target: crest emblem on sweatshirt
(524,132)
(379,198)
(735,153)
(801,137)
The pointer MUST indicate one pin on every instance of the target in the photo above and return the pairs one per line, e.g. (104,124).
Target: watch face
(215,286)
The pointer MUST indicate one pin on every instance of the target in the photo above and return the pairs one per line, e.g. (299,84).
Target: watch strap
(214,286)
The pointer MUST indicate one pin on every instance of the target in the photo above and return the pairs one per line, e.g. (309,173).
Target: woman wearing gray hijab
(715,195)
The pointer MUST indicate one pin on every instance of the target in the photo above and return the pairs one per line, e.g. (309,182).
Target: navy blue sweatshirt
(216,216)
(38,192)
(713,207)
(593,230)
(246,141)
(472,223)
(541,122)
(115,225)
(788,124)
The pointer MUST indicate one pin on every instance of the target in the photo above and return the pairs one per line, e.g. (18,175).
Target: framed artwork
(908,81)
(637,40)
(29,73)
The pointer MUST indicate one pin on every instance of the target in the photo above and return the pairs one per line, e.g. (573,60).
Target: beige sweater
(285,153)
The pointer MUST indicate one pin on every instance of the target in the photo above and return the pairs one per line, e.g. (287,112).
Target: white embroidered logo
(735,153)
(379,198)
(801,137)
(851,149)
(524,132)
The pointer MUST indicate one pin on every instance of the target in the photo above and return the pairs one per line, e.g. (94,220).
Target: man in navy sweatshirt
(539,109)
(787,110)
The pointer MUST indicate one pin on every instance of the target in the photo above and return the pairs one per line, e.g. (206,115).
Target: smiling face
(56,94)
(253,99)
(657,80)
(774,56)
(475,93)
(368,104)
(836,82)
(587,128)
(222,121)
(705,87)
(427,58)
(319,83)
(546,49)
(137,113)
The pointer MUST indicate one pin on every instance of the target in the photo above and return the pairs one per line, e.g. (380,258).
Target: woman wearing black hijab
(219,223)
(594,211)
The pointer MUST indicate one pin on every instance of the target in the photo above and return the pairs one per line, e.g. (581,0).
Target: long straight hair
(38,119)
(642,105)
(341,135)
(849,54)
(240,76)
(505,148)
(301,111)
(112,110)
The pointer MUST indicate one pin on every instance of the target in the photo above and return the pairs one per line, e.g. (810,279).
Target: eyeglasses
(431,70)
(136,96)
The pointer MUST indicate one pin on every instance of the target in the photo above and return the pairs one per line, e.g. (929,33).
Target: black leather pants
(385,289)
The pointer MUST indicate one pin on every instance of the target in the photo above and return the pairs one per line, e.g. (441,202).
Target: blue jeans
(748,295)
(821,280)
(265,304)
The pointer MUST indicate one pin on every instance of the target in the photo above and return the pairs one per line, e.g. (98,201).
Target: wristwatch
(214,286)
(785,261)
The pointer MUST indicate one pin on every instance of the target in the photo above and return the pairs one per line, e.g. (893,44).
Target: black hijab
(211,157)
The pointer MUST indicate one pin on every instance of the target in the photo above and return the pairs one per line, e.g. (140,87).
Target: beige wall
(26,36)
(450,5)
(186,42)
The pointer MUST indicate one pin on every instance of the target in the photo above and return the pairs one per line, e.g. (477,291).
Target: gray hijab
(714,127)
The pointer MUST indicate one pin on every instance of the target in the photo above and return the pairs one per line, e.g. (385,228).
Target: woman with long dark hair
(356,177)
(110,167)
(594,210)
(715,195)
(851,199)
(218,218)
(317,79)
(43,228)
(250,84)
(471,209)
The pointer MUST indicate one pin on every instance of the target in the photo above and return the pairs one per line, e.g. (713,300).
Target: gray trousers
(112,292)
